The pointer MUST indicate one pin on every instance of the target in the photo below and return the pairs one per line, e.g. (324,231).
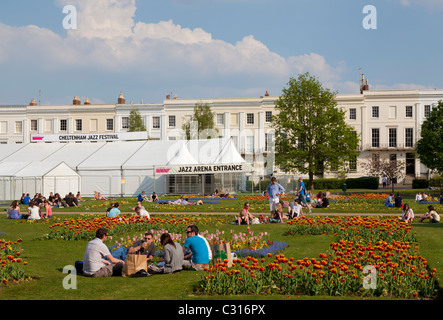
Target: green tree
(201,124)
(311,134)
(430,146)
(135,121)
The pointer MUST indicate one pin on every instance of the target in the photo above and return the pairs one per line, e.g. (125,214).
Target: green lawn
(46,260)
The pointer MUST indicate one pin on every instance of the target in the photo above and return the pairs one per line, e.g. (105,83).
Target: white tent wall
(7,188)
(102,166)
(106,182)
(137,181)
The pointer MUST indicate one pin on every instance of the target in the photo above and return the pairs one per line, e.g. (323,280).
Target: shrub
(362,183)
(420,184)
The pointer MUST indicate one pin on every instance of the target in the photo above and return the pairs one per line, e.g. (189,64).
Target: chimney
(87,101)
(33,102)
(168,96)
(267,93)
(76,101)
(366,87)
(121,99)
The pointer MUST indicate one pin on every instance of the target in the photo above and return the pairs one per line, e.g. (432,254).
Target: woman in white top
(33,211)
(407,214)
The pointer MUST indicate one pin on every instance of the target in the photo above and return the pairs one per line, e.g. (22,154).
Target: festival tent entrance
(122,168)
(36,177)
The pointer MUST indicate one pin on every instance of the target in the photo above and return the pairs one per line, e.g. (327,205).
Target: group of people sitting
(221,194)
(40,207)
(99,197)
(194,254)
(143,197)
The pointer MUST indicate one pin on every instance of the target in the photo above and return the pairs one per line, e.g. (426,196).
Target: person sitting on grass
(94,262)
(201,252)
(407,214)
(389,201)
(142,197)
(145,247)
(245,217)
(277,215)
(296,210)
(172,261)
(114,212)
(432,215)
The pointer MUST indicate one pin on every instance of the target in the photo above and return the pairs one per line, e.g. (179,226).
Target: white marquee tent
(36,177)
(111,168)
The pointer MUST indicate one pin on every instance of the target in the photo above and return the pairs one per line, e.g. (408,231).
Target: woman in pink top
(48,209)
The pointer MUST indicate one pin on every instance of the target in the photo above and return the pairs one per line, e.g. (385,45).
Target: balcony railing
(387,146)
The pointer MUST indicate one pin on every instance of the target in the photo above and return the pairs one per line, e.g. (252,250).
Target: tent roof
(229,154)
(8,149)
(34,151)
(75,153)
(42,168)
(9,169)
(111,156)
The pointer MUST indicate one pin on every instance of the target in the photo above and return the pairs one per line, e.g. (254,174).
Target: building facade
(387,122)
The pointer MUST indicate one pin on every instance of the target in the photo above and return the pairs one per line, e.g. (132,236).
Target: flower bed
(381,245)
(84,227)
(12,265)
(242,244)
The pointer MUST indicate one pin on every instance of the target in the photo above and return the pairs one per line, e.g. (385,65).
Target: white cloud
(430,4)
(109,41)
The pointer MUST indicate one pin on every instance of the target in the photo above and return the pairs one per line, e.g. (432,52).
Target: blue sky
(213,48)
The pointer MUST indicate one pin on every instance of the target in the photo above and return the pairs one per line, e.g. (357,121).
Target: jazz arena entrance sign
(204,169)
(80,137)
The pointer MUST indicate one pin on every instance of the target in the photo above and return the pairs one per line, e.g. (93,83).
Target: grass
(48,258)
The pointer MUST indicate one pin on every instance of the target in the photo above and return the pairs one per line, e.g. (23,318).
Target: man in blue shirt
(199,247)
(274,190)
(26,199)
(302,194)
(115,211)
(388,201)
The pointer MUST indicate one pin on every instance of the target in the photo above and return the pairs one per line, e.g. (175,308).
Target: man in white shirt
(94,262)
(296,209)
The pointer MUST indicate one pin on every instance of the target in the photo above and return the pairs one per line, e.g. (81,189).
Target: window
(269,142)
(93,125)
(18,127)
(392,137)
(109,124)
(375,112)
(220,119)
(249,145)
(34,125)
(171,122)
(156,122)
(268,116)
(78,124)
(3,126)
(353,165)
(63,125)
(427,111)
(408,111)
(375,138)
(353,114)
(250,118)
(409,137)
(125,122)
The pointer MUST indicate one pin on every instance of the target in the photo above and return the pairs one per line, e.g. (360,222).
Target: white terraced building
(388,123)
